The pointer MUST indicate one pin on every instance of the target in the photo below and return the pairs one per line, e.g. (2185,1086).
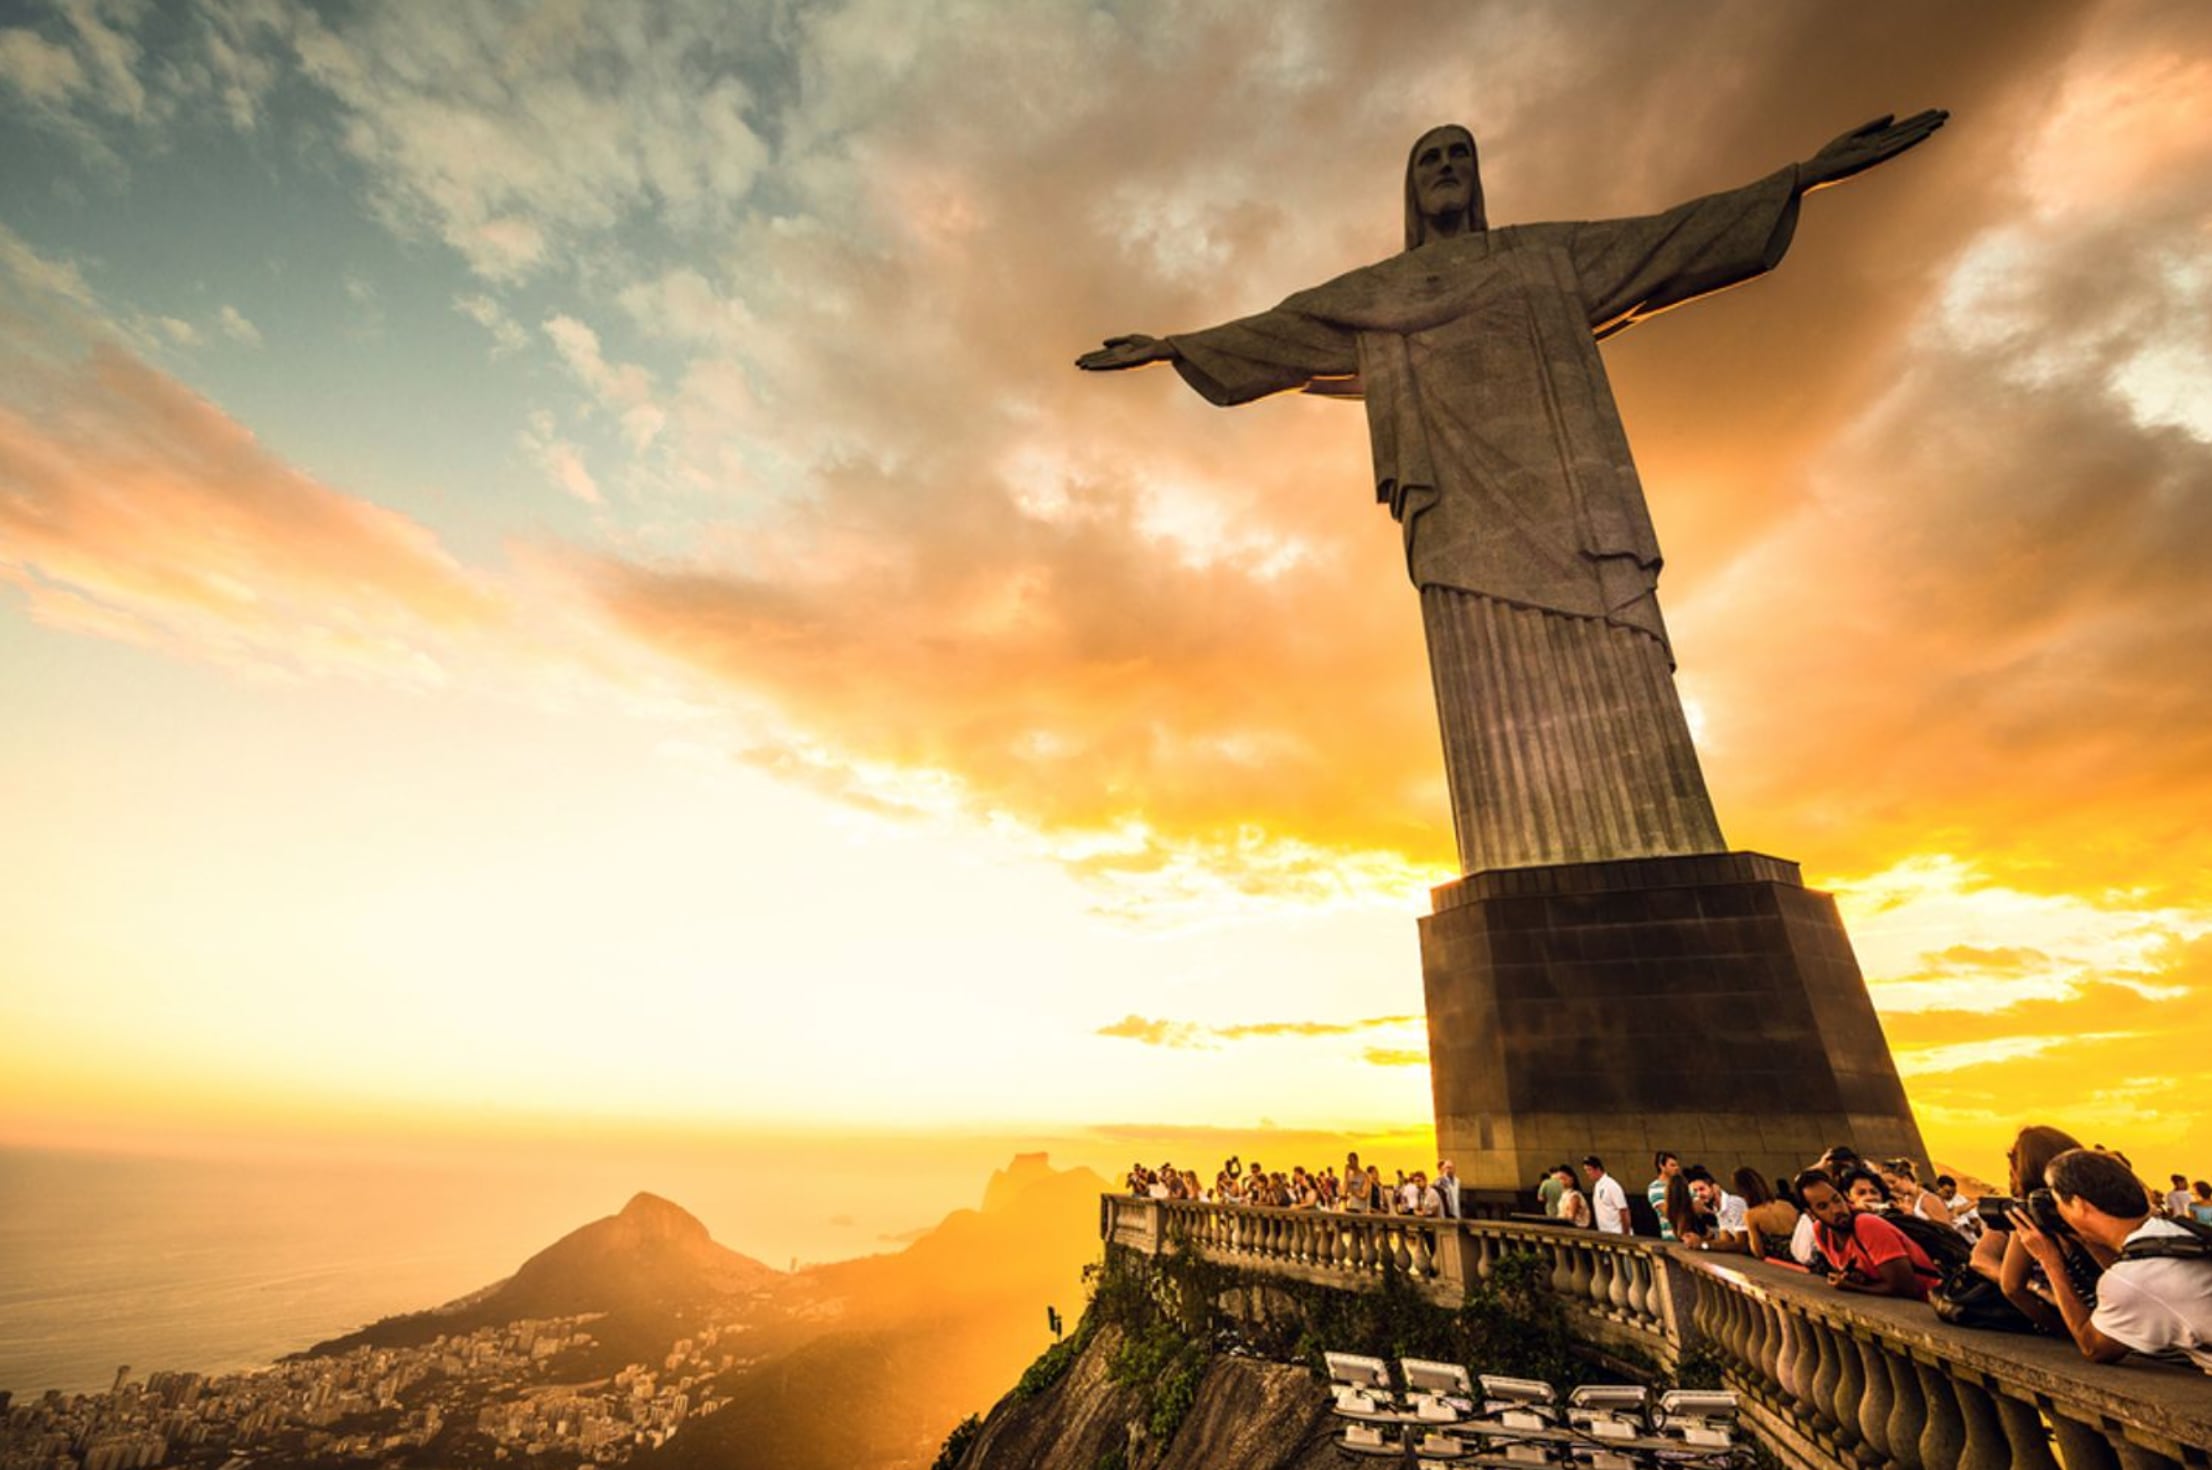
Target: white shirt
(1731,1214)
(2158,1305)
(1804,1242)
(1610,1202)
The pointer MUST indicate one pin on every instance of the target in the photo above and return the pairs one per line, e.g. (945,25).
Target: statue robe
(1499,450)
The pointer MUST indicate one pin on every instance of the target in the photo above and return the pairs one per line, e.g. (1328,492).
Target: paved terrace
(1828,1380)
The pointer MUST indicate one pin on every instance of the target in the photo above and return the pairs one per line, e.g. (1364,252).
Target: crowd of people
(2080,1247)
(1359,1189)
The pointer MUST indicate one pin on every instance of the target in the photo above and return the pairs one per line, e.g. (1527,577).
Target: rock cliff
(1249,1414)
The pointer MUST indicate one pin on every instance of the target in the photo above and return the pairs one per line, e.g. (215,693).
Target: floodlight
(1358,1371)
(1698,1403)
(1610,1398)
(1423,1376)
(1517,1390)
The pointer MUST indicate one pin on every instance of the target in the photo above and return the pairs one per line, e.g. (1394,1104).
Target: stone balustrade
(1828,1379)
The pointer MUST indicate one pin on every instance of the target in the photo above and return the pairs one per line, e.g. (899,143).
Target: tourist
(1865,1189)
(1557,1180)
(1727,1229)
(1768,1220)
(1378,1203)
(2004,1258)
(1863,1252)
(1428,1200)
(2157,1295)
(1608,1201)
(2177,1198)
(1964,1216)
(1679,1215)
(1668,1167)
(1447,1185)
(1902,1178)
(2201,1206)
(1574,1207)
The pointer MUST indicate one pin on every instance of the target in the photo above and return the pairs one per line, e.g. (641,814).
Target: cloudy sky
(553,563)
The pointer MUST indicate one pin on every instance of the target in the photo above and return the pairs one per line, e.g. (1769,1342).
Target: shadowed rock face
(652,1253)
(1249,1414)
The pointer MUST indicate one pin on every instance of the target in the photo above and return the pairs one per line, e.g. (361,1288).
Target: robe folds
(1499,450)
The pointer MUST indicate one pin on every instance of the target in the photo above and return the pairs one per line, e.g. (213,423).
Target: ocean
(220,1264)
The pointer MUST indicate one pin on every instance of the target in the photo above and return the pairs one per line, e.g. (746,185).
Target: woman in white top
(1902,1177)
(1573,1208)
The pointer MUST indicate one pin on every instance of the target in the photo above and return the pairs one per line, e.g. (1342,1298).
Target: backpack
(1944,1246)
(2195,1245)
(1966,1298)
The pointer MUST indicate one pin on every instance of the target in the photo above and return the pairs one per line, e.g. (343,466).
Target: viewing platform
(1827,1379)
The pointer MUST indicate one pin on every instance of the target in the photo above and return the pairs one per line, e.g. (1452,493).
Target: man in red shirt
(1864,1252)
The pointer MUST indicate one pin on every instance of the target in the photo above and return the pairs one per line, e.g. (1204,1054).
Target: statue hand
(1134,350)
(1867,145)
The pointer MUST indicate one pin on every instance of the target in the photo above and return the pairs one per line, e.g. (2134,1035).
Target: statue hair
(1417,226)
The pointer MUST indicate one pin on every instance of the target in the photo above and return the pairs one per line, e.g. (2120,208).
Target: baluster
(1398,1251)
(1875,1398)
(1788,1348)
(1986,1448)
(1847,1389)
(2027,1439)
(1598,1289)
(1644,1294)
(1724,1317)
(1630,1266)
(2082,1446)
(1563,1281)
(1760,1346)
(1486,1256)
(1908,1414)
(1943,1436)
(1424,1251)
(1827,1373)
(1616,1283)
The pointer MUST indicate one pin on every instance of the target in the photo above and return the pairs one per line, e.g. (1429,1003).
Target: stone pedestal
(1710,1005)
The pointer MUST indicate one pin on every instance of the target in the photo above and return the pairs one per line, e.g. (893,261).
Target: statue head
(1443,186)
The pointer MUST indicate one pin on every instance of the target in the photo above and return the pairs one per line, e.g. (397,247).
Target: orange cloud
(136,509)
(1188,1034)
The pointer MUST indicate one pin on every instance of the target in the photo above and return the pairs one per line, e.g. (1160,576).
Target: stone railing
(1829,1379)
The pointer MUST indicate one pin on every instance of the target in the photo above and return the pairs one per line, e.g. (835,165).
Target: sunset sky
(555,571)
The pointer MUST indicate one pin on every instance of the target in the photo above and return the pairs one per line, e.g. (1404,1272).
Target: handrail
(1829,1379)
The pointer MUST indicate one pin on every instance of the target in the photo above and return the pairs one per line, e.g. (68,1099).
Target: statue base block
(1710,1005)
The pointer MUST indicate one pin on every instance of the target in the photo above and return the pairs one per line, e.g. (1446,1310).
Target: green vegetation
(956,1443)
(1053,1363)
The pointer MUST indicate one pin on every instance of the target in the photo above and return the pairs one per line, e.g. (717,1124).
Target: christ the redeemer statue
(1499,450)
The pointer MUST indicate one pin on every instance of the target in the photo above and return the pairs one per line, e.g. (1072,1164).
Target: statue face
(1444,172)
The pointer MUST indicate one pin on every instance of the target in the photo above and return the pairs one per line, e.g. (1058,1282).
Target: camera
(1996,1210)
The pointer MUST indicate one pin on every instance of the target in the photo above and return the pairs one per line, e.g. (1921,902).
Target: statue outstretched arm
(1630,270)
(1867,145)
(1119,353)
(1273,352)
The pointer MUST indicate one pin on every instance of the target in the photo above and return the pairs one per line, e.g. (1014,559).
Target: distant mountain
(653,1254)
(647,1267)
(863,1362)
